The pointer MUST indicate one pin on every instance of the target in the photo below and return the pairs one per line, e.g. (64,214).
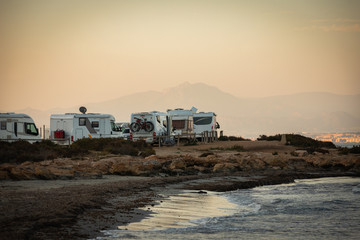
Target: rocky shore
(77,198)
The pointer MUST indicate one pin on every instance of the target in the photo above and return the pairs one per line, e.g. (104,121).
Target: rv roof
(204,114)
(78,115)
(14,115)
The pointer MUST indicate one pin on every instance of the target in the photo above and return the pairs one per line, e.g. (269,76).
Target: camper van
(182,121)
(16,126)
(69,127)
(148,126)
(205,122)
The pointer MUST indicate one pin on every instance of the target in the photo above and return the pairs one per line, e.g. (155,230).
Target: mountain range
(249,117)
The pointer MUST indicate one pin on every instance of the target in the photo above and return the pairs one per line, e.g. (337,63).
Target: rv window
(82,121)
(30,128)
(202,120)
(3,125)
(95,124)
(178,124)
(158,119)
(114,127)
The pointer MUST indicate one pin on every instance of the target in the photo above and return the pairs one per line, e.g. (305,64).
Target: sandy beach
(82,207)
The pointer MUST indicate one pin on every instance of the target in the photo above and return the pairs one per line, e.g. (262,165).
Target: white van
(148,126)
(69,127)
(15,126)
(205,122)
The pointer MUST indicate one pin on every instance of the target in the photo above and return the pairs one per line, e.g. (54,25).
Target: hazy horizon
(75,106)
(67,53)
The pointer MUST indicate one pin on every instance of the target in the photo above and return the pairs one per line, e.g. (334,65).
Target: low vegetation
(309,144)
(298,141)
(21,151)
(345,151)
(232,138)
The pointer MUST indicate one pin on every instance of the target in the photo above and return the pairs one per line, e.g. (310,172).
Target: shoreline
(78,198)
(80,209)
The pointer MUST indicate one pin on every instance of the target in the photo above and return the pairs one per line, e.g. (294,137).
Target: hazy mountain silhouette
(305,112)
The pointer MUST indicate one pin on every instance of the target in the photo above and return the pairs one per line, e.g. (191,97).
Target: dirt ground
(251,146)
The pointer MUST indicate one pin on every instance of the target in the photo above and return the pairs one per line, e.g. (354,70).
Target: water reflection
(177,211)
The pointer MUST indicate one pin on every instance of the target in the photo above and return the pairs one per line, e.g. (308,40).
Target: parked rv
(205,122)
(16,126)
(182,121)
(148,126)
(69,127)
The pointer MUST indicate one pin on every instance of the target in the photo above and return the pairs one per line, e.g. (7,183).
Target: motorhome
(205,122)
(69,127)
(16,126)
(148,126)
(182,121)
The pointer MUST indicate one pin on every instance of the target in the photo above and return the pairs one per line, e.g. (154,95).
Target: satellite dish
(83,110)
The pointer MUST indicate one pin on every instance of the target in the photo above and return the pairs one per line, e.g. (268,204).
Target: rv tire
(149,126)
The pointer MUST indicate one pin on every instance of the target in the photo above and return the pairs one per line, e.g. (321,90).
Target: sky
(66,53)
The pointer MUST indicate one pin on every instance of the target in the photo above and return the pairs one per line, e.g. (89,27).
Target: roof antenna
(83,110)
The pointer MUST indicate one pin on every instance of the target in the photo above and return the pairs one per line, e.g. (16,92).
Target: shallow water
(325,208)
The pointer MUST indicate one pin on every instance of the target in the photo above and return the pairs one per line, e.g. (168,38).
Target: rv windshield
(114,127)
(30,128)
(202,120)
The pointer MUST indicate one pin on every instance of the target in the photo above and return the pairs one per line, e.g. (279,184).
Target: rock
(225,167)
(4,175)
(298,164)
(177,164)
(42,172)
(62,172)
(301,153)
(151,157)
(22,173)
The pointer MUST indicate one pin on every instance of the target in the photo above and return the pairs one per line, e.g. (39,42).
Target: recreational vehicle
(182,121)
(69,127)
(148,126)
(205,122)
(18,126)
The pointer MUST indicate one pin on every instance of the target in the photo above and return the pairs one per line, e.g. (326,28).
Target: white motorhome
(148,126)
(205,122)
(182,121)
(69,127)
(15,126)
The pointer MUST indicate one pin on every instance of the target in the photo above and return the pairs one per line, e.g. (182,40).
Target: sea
(323,208)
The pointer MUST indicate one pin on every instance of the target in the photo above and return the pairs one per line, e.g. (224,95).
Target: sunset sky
(70,52)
